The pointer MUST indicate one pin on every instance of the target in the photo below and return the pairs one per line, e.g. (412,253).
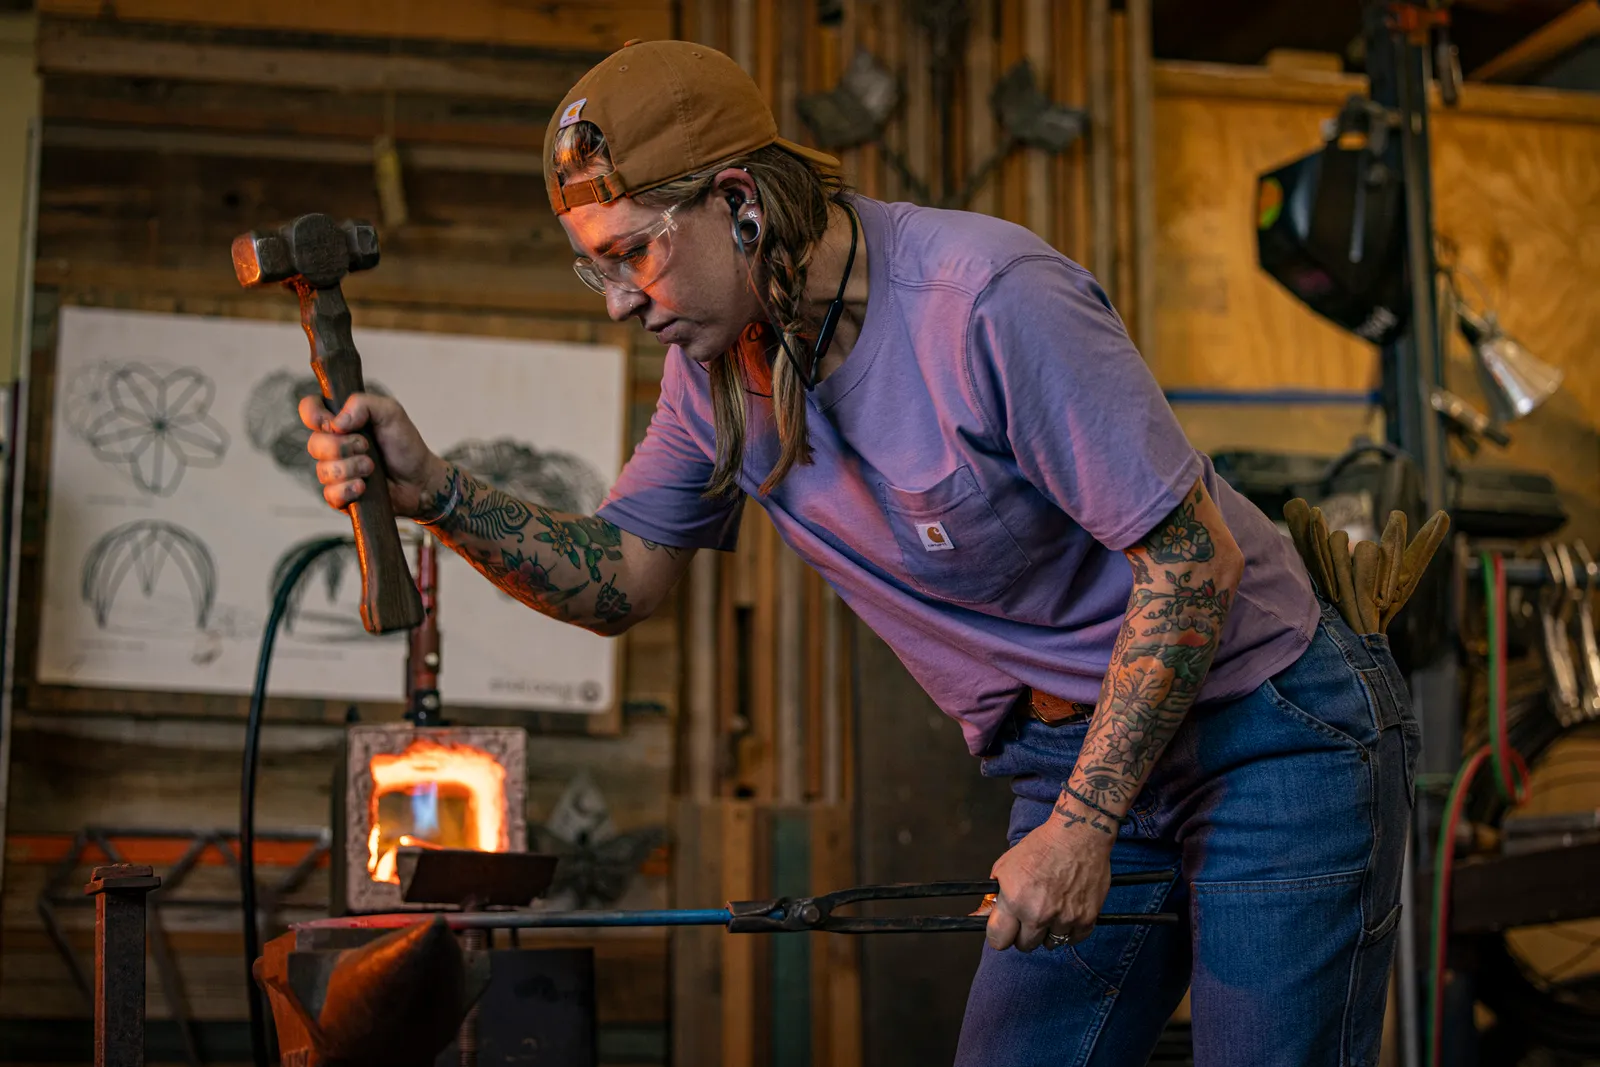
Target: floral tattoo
(1162,654)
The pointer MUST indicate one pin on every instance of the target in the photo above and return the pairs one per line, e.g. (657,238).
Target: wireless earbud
(749,225)
(746,222)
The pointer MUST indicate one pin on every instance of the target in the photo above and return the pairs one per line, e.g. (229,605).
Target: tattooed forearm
(1184,575)
(565,566)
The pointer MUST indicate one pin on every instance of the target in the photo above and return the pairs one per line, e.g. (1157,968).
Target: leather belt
(1054,711)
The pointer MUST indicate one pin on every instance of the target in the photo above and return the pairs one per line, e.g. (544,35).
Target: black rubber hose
(247,785)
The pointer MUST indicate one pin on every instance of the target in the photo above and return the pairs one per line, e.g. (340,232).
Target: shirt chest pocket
(953,545)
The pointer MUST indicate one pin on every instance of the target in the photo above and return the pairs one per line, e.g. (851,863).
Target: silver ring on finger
(1055,941)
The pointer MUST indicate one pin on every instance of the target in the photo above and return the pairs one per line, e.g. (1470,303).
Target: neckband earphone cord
(830,319)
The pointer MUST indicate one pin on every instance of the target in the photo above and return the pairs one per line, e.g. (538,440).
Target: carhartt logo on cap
(934,537)
(573,113)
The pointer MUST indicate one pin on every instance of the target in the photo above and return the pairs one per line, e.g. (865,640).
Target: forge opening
(434,794)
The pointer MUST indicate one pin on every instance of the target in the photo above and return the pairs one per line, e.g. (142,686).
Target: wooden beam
(52,849)
(1142,134)
(1497,893)
(1198,80)
(789,677)
(700,688)
(744,866)
(1554,39)
(89,48)
(1117,275)
(594,25)
(541,291)
(1102,148)
(301,149)
(312,114)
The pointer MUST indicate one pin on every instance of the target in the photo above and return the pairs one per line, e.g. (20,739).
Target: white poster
(179,483)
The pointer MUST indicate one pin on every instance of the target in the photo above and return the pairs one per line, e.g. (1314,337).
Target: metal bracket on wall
(856,111)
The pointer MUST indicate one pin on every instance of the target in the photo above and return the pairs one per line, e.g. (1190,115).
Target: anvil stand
(344,999)
(473,881)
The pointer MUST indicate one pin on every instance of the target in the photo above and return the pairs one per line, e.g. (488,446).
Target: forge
(428,787)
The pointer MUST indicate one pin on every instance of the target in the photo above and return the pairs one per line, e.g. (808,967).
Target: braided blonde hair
(795,195)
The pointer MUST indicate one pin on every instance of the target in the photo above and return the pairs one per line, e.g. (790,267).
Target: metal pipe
(475,939)
(1277,397)
(469,921)
(519,920)
(1532,572)
(1406,964)
(1413,107)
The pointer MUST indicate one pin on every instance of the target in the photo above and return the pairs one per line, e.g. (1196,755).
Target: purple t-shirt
(990,445)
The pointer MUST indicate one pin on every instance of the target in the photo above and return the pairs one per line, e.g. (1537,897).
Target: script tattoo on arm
(562,565)
(1081,816)
(1185,573)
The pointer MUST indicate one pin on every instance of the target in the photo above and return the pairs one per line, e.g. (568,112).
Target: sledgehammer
(312,255)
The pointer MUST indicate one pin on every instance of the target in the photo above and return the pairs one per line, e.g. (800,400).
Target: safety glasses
(632,262)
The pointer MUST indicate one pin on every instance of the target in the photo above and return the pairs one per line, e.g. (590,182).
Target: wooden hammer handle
(389,599)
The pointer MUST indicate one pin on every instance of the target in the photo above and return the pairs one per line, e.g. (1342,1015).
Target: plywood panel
(1516,190)
(1223,323)
(1520,205)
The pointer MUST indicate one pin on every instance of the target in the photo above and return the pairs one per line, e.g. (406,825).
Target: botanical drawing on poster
(179,485)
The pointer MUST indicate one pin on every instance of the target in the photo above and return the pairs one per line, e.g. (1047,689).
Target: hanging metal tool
(1582,592)
(1555,613)
(856,110)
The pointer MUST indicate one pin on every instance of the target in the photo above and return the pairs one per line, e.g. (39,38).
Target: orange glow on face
(434,795)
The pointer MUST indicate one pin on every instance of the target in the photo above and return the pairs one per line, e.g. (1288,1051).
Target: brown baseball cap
(668,109)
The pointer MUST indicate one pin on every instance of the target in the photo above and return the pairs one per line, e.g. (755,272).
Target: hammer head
(312,247)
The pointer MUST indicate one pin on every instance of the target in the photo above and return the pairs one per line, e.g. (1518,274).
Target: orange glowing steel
(471,778)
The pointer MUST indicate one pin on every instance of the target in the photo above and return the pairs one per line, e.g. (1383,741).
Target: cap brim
(821,159)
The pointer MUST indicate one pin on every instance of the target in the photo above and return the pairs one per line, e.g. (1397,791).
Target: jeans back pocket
(952,543)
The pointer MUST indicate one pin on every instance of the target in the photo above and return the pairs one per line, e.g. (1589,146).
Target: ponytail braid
(786,286)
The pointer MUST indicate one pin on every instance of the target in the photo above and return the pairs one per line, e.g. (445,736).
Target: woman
(945,417)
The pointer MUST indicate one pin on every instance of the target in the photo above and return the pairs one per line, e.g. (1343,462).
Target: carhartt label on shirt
(934,537)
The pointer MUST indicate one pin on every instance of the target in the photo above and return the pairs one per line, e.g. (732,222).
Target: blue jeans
(1284,815)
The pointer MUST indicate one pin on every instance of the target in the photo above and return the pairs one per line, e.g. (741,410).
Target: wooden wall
(164,140)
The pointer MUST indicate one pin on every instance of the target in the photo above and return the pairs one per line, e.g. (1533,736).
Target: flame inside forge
(434,795)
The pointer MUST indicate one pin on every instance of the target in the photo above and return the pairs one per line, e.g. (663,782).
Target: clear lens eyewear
(633,262)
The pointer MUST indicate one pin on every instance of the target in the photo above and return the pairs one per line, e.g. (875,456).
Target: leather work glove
(1369,583)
